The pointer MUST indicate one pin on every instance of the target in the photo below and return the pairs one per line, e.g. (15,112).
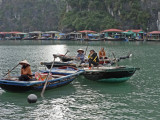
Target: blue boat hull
(37,87)
(23,86)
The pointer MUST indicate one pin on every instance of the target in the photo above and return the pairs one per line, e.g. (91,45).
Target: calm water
(136,99)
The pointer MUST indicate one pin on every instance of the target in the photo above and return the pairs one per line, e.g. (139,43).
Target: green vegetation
(99,15)
(30,15)
(72,15)
(97,20)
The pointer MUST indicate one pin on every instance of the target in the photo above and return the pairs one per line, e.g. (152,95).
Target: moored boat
(58,77)
(109,74)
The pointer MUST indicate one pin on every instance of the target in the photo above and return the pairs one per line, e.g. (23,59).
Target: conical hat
(24,62)
(80,50)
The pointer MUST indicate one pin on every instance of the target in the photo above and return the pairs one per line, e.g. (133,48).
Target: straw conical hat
(80,50)
(24,62)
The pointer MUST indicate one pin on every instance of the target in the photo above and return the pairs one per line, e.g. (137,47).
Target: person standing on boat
(26,73)
(80,55)
(102,54)
(93,58)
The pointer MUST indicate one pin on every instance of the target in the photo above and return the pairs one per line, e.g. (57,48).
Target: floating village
(108,35)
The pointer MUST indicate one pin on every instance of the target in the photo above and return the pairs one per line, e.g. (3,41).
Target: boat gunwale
(30,83)
(111,69)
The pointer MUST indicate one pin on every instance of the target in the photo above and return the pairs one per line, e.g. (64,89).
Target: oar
(11,70)
(86,49)
(115,59)
(125,57)
(66,52)
(44,87)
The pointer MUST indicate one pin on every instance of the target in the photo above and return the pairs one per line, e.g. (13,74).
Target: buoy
(32,98)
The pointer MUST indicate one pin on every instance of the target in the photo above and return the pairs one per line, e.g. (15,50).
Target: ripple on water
(136,99)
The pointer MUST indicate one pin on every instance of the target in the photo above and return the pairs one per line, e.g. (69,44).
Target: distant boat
(114,39)
(59,77)
(109,74)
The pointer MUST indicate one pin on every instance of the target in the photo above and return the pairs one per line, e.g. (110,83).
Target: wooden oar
(66,52)
(115,59)
(86,49)
(10,70)
(44,87)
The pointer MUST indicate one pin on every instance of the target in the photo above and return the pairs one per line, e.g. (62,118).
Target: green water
(136,99)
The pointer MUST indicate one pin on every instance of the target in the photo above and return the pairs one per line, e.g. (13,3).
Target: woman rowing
(26,73)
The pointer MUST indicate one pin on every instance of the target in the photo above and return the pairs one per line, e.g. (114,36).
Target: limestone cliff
(69,15)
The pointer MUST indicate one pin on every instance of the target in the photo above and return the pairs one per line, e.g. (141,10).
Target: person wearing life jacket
(102,54)
(80,55)
(26,73)
(93,59)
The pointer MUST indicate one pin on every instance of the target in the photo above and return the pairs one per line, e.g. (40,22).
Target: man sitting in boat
(93,58)
(26,73)
(80,55)
(102,54)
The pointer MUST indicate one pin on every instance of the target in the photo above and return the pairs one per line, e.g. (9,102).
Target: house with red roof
(14,35)
(112,34)
(90,35)
(153,36)
(134,34)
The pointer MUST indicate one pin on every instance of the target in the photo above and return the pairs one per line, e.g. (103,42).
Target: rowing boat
(110,74)
(58,77)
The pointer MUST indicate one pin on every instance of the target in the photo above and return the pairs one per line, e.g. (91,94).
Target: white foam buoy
(32,98)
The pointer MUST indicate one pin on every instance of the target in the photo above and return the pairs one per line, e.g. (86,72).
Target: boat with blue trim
(112,74)
(58,77)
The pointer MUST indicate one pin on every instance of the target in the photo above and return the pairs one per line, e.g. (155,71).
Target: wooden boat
(74,63)
(68,61)
(114,39)
(30,38)
(57,64)
(65,58)
(59,77)
(109,74)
